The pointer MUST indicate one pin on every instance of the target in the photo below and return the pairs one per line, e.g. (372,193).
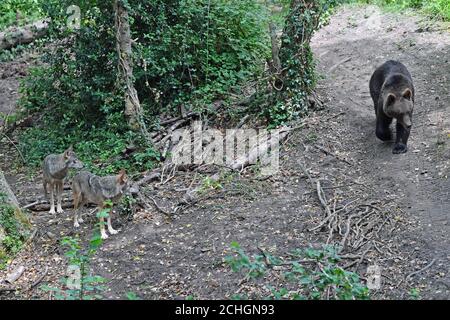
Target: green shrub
(187,53)
(29,10)
(437,8)
(89,287)
(297,78)
(15,225)
(320,278)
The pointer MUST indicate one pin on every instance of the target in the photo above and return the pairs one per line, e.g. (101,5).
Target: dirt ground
(160,259)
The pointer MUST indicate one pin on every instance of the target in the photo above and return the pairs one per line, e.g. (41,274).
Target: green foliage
(255,266)
(15,233)
(187,53)
(298,77)
(29,10)
(196,50)
(439,9)
(102,151)
(414,294)
(132,296)
(90,286)
(319,278)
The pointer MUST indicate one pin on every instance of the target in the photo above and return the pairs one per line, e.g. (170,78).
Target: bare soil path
(156,258)
(365,38)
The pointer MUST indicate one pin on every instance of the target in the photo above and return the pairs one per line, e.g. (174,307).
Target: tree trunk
(8,199)
(133,109)
(298,76)
(15,36)
(6,191)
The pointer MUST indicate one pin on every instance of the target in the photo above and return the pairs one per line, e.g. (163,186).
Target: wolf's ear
(407,94)
(122,177)
(68,152)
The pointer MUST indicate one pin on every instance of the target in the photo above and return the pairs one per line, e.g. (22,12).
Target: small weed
(414,294)
(80,284)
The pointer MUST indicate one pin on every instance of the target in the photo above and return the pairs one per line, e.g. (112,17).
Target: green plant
(81,285)
(210,183)
(25,10)
(296,78)
(254,266)
(414,294)
(187,53)
(15,225)
(132,296)
(314,275)
(439,9)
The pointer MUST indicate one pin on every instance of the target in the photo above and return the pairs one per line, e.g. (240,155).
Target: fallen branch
(44,205)
(160,209)
(338,64)
(421,270)
(39,280)
(14,36)
(328,152)
(16,274)
(154,175)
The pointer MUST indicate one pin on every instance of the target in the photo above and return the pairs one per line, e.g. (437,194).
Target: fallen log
(12,37)
(44,205)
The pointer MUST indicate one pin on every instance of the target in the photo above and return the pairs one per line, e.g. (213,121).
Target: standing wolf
(392,91)
(55,169)
(89,188)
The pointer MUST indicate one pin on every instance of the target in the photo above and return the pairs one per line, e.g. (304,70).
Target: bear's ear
(407,94)
(390,99)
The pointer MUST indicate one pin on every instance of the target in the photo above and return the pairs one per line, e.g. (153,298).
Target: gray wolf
(89,188)
(55,169)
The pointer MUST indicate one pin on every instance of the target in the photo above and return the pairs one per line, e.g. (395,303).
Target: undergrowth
(439,9)
(187,54)
(309,274)
(14,225)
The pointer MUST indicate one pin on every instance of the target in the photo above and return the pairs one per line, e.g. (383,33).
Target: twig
(421,270)
(328,152)
(338,64)
(15,146)
(161,209)
(39,280)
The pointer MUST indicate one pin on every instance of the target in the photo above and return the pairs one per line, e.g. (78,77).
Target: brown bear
(392,91)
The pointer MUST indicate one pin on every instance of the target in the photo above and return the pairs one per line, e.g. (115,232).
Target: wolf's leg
(59,191)
(52,199)
(78,202)
(102,225)
(110,228)
(45,189)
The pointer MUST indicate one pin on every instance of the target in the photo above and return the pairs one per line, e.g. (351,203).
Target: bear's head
(399,105)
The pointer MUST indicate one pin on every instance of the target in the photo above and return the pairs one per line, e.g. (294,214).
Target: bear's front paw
(400,148)
(384,135)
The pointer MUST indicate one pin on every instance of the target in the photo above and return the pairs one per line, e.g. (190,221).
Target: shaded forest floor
(157,258)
